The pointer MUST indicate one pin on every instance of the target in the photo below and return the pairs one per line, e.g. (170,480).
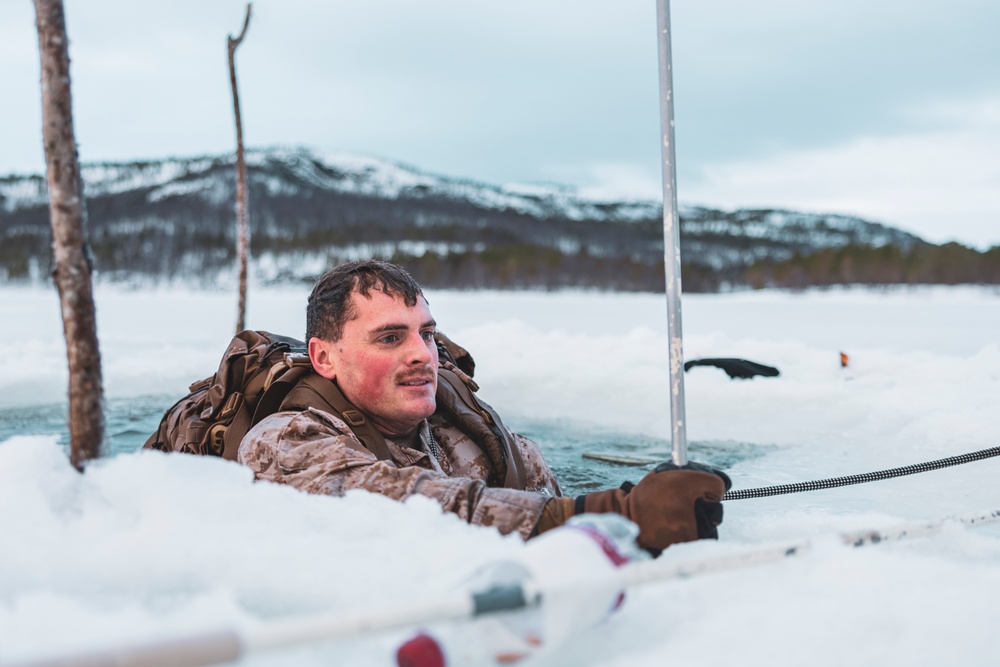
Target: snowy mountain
(297,171)
(173,219)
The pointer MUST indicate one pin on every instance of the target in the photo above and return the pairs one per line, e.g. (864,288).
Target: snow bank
(150,545)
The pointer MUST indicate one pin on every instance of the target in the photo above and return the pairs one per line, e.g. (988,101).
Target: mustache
(426,373)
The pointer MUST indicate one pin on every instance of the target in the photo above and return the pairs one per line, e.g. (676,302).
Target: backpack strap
(315,391)
(456,400)
(449,350)
(232,411)
(278,380)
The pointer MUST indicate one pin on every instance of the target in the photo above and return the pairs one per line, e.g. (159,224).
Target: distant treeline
(180,245)
(531,267)
(948,264)
(517,267)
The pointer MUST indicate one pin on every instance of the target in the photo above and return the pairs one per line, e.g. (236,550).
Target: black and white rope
(764,491)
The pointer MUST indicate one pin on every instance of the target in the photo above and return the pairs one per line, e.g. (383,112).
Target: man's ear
(321,356)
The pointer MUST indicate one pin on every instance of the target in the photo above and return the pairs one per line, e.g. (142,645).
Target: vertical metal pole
(671,238)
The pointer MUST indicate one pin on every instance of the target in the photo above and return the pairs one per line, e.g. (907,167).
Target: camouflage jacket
(315,451)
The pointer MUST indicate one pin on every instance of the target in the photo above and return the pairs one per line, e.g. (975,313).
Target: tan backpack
(262,373)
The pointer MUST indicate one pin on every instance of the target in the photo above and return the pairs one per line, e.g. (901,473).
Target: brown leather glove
(671,504)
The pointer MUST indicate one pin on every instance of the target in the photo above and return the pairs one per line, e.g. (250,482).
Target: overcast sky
(888,109)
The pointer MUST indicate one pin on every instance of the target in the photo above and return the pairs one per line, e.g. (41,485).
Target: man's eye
(389,338)
(427,335)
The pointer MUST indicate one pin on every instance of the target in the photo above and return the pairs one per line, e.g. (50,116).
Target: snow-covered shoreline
(146,545)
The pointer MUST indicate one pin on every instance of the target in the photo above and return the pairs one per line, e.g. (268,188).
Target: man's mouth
(417,382)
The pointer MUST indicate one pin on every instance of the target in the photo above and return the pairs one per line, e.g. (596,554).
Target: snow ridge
(290,171)
(286,170)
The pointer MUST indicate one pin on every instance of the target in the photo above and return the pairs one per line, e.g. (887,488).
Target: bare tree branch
(243,242)
(70,246)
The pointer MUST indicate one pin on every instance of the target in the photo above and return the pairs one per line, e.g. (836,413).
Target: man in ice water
(416,426)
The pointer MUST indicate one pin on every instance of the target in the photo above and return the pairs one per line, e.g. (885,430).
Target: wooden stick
(70,246)
(243,243)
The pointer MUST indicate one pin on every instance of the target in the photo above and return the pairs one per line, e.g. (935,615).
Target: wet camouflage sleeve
(316,452)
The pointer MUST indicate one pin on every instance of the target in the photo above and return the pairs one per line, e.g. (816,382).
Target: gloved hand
(671,504)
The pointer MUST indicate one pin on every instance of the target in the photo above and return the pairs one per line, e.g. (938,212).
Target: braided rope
(878,475)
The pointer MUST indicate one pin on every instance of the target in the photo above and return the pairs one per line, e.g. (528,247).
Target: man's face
(386,361)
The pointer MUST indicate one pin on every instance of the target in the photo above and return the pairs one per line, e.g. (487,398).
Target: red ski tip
(420,651)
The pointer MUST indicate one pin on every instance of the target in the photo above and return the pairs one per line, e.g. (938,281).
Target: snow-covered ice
(148,545)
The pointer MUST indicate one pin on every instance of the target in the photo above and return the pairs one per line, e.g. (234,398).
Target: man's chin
(419,409)
(403,421)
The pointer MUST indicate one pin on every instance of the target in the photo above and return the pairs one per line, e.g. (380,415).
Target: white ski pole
(229,645)
(637,574)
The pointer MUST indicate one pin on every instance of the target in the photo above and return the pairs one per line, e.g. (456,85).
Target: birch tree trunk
(243,242)
(70,246)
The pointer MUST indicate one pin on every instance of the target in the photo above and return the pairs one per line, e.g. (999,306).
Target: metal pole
(671,239)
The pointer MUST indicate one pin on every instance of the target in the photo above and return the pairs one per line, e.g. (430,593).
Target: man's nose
(418,350)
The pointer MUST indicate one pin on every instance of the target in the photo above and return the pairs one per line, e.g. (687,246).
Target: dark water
(564,444)
(131,420)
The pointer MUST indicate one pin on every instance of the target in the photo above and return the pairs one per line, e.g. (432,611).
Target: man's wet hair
(330,306)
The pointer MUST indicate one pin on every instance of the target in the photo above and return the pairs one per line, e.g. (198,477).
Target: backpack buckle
(217,437)
(232,404)
(288,361)
(353,417)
